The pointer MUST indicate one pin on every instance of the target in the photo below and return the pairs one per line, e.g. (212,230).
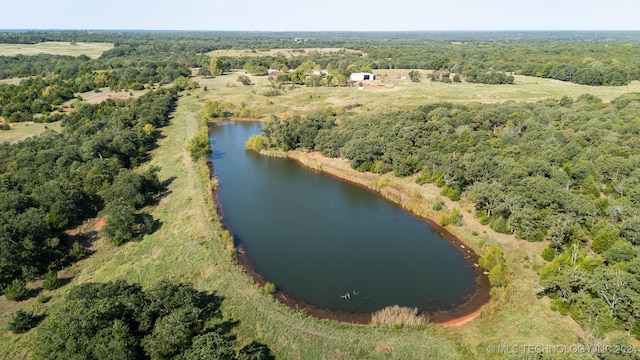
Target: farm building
(362,76)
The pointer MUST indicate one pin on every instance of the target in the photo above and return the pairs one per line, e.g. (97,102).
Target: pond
(329,243)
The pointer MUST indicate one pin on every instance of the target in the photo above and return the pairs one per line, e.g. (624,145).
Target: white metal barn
(362,76)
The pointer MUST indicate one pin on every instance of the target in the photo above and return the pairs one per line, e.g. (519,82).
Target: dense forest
(55,181)
(118,320)
(563,171)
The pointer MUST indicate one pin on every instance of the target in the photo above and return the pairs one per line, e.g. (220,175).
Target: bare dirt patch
(383,347)
(86,234)
(12,81)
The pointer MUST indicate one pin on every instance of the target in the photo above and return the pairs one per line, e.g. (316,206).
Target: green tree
(115,342)
(51,280)
(16,291)
(414,75)
(244,80)
(199,146)
(498,275)
(255,351)
(21,322)
(120,224)
(492,257)
(172,334)
(215,66)
(210,346)
(255,143)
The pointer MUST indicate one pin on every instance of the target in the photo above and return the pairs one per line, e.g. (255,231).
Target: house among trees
(362,76)
(273,72)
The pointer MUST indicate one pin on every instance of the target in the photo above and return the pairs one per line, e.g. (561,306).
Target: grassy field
(190,245)
(393,92)
(279,52)
(23,130)
(91,49)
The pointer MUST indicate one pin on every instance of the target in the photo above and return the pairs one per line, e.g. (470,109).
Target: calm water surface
(319,238)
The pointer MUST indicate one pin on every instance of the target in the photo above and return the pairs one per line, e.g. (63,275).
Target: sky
(325,15)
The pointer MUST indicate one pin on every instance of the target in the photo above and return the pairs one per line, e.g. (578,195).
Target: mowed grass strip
(90,49)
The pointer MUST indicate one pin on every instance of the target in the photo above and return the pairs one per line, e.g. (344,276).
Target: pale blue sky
(333,15)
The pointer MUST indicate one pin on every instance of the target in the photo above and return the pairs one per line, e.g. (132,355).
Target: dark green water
(318,238)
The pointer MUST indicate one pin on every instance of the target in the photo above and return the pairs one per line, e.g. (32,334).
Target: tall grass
(398,316)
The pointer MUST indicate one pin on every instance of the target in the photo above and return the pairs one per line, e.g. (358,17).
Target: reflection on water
(330,243)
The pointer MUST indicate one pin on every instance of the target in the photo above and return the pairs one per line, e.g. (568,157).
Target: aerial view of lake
(330,243)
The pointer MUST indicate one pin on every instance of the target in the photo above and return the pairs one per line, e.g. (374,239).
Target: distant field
(92,50)
(391,91)
(277,52)
(21,131)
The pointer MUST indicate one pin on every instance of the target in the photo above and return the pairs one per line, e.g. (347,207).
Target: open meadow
(23,130)
(392,90)
(191,245)
(90,49)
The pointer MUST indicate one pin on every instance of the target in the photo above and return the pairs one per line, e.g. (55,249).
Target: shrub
(493,257)
(499,225)
(548,253)
(453,217)
(77,252)
(51,280)
(451,193)
(255,143)
(269,287)
(16,291)
(382,182)
(498,275)
(423,178)
(21,322)
(244,80)
(199,146)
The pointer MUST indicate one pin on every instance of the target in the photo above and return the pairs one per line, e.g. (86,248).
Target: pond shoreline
(455,314)
(458,314)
